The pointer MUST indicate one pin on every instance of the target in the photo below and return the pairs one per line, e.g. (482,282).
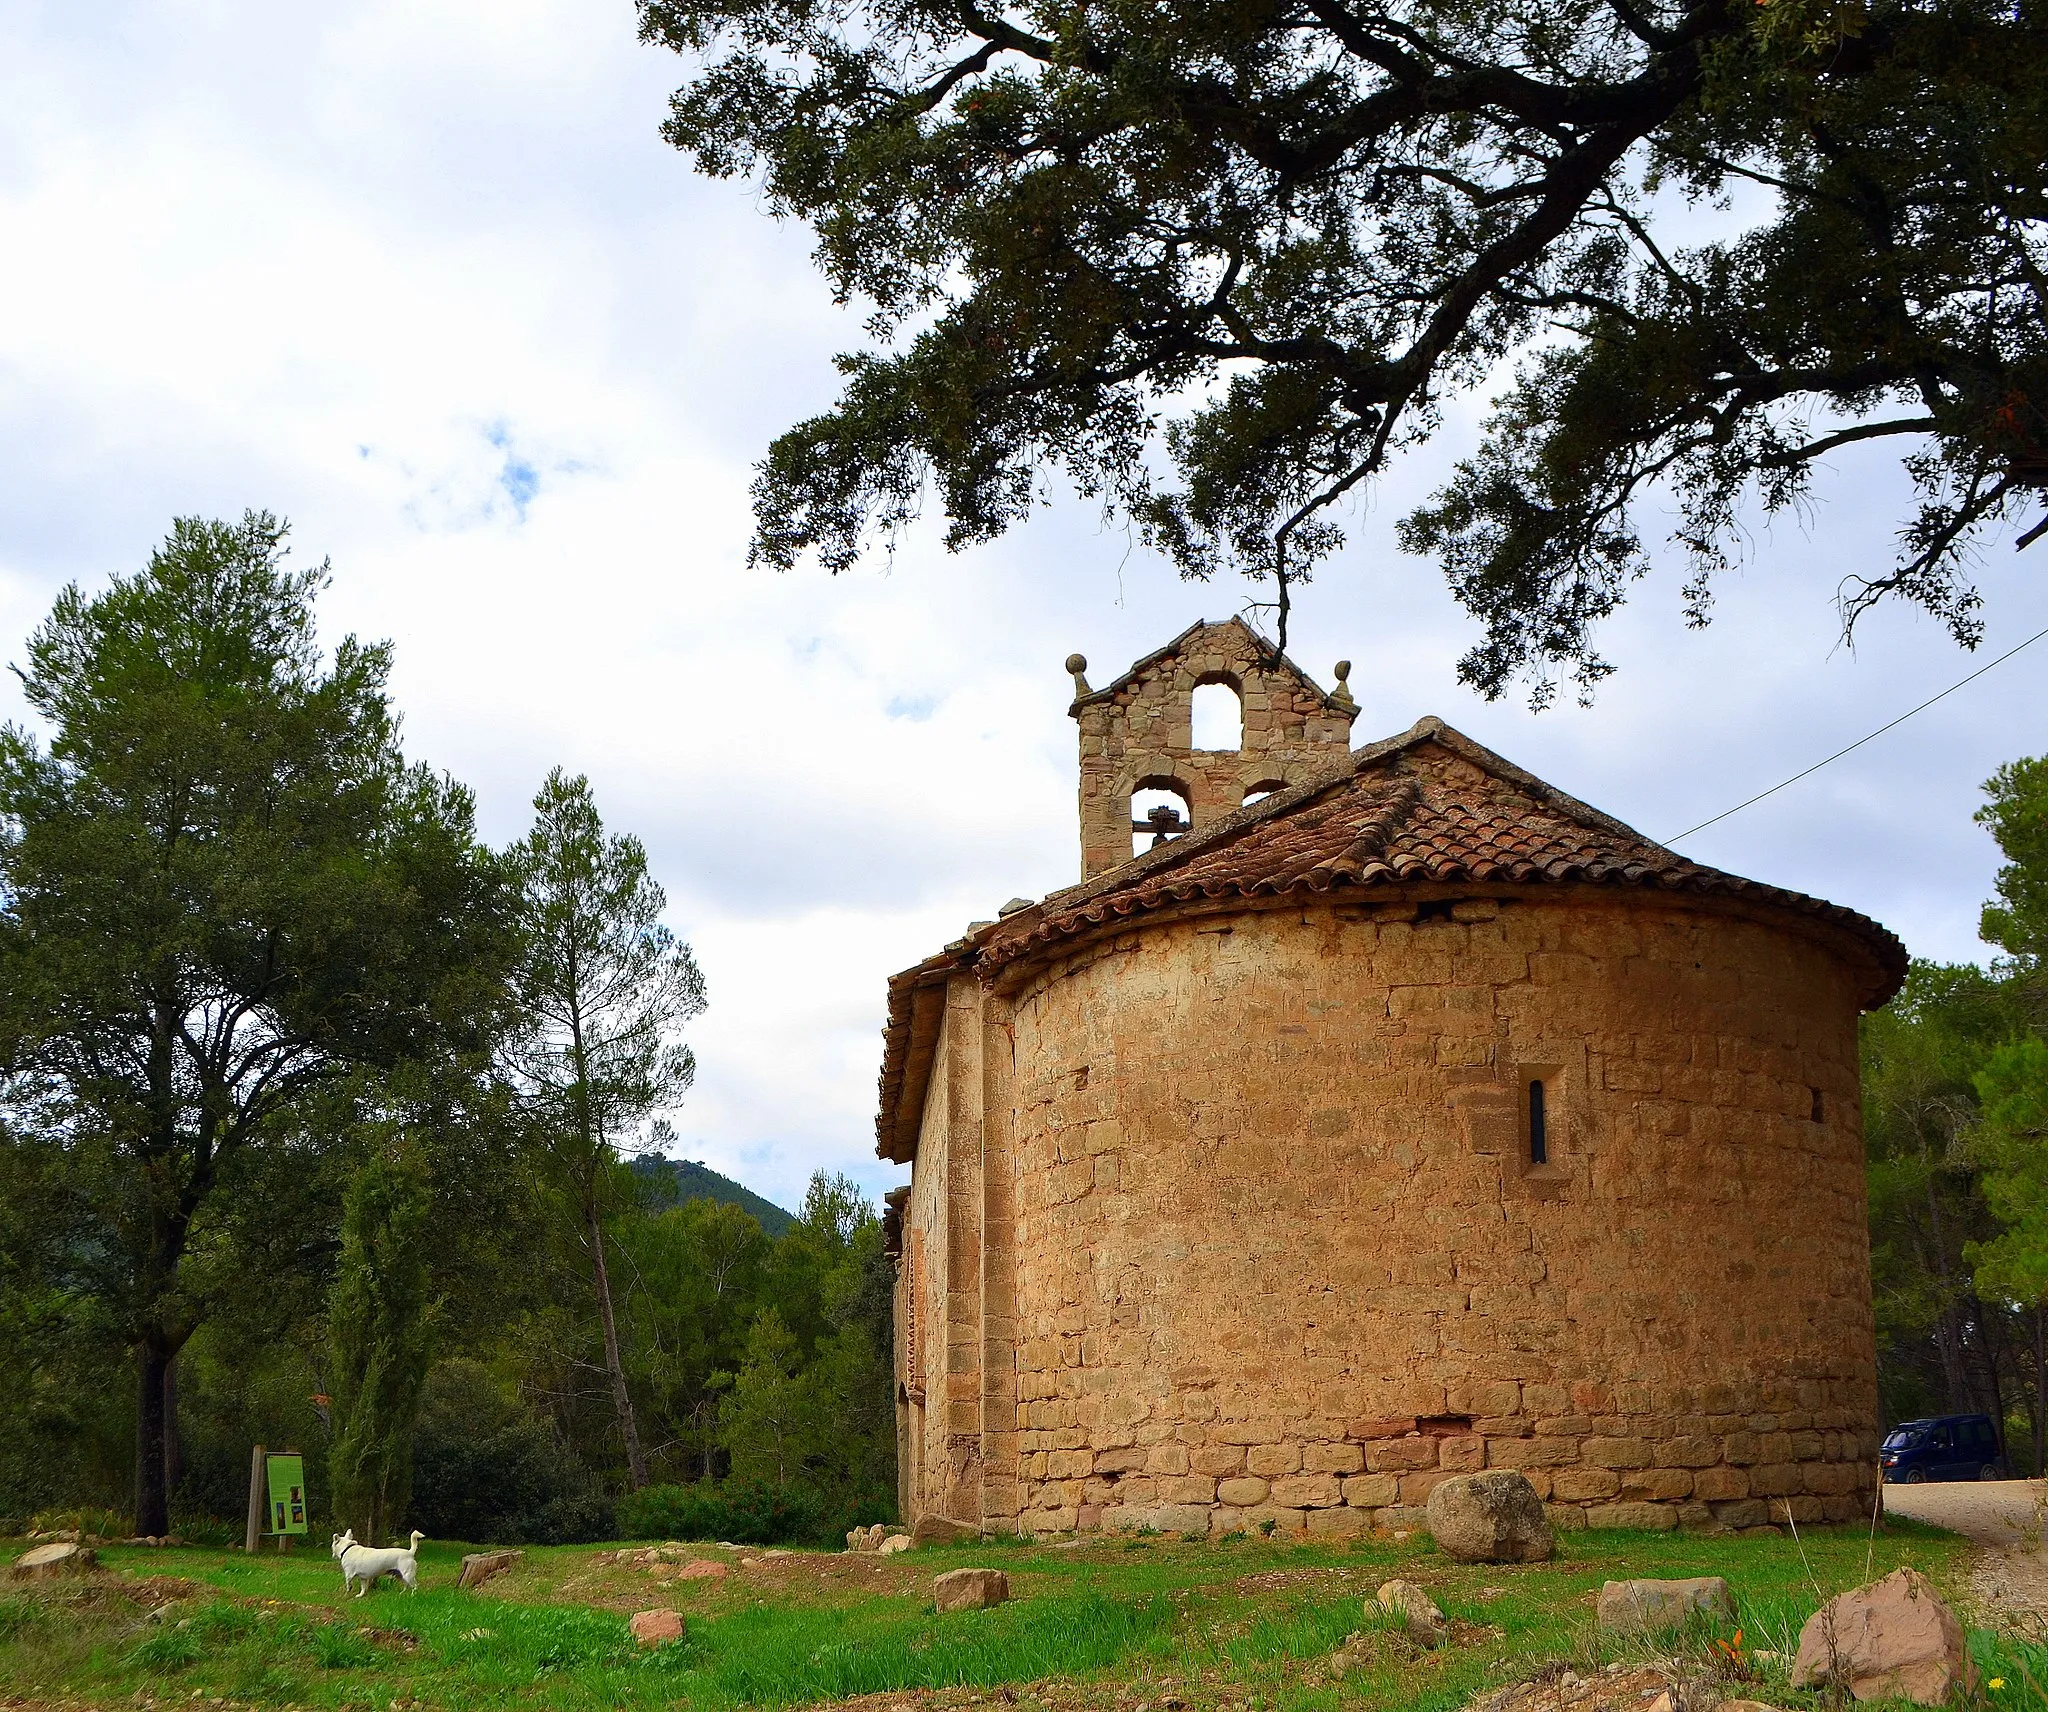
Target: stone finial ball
(1077,663)
(1343,670)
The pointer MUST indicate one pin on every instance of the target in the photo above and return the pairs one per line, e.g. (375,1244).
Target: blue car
(1943,1447)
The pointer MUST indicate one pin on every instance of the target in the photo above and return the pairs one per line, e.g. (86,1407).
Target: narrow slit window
(1820,1110)
(1539,1139)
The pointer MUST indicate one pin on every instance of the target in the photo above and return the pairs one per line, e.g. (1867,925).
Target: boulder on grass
(1891,1640)
(894,1543)
(970,1589)
(942,1531)
(480,1567)
(704,1569)
(1494,1517)
(1420,1615)
(1653,1607)
(60,1557)
(657,1628)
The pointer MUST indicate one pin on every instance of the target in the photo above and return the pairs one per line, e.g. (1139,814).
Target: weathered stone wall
(956,1326)
(921,1310)
(1280,1253)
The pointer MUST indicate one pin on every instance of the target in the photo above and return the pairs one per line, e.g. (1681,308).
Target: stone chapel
(1389,1114)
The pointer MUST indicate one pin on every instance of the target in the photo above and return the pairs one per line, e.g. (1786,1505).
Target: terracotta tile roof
(1427,807)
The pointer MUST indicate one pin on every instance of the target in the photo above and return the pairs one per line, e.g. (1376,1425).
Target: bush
(744,1512)
(486,1470)
(90,1523)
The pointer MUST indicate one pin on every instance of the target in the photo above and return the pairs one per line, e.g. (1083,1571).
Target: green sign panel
(287,1477)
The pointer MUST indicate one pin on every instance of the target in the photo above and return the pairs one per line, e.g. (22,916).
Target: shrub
(93,1522)
(747,1513)
(487,1471)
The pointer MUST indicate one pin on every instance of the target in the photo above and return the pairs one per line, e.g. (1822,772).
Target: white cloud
(421,275)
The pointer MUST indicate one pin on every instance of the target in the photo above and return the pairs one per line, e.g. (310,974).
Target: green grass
(1253,1621)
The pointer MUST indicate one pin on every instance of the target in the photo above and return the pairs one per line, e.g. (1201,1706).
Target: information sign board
(285,1472)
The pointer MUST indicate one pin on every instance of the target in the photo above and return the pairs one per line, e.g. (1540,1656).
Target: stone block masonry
(1320,1285)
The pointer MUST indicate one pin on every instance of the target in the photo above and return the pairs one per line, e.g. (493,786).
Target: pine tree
(223,893)
(604,991)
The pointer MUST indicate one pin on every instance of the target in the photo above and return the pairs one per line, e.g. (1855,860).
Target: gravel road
(1991,1512)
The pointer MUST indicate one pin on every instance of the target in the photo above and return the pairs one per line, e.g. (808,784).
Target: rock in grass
(60,1557)
(480,1567)
(970,1589)
(1652,1607)
(935,1530)
(1494,1517)
(1891,1640)
(704,1569)
(894,1543)
(1420,1615)
(657,1628)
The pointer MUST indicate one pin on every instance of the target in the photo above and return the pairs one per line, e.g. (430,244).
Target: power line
(1858,744)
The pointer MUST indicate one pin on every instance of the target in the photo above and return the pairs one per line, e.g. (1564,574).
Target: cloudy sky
(421,276)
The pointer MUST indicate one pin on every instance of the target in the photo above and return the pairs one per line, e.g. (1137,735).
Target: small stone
(970,1589)
(704,1569)
(1420,1615)
(894,1543)
(1891,1640)
(1652,1607)
(480,1567)
(60,1557)
(657,1628)
(1494,1517)
(1745,1705)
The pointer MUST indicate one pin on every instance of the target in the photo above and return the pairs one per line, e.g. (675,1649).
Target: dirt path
(2000,1513)
(2005,1518)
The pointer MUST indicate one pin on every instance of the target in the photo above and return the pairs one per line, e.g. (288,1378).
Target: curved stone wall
(1281,1251)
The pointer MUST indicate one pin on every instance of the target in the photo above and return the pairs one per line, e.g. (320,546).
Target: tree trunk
(174,1445)
(1991,1334)
(1947,1334)
(636,1459)
(2040,1387)
(152,1497)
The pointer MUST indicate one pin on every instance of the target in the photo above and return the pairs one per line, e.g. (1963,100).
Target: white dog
(365,1565)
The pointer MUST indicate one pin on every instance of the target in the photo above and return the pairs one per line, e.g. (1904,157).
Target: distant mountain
(693,1181)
